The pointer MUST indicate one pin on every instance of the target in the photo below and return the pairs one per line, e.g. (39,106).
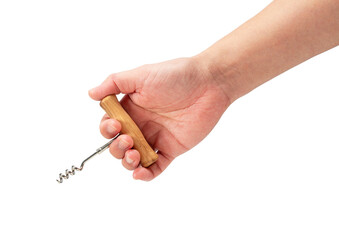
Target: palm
(175,107)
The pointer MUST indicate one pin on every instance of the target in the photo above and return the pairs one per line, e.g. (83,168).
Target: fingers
(106,88)
(131,159)
(119,146)
(148,174)
(123,82)
(109,127)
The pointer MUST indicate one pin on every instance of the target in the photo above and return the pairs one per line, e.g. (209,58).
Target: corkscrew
(74,168)
(113,108)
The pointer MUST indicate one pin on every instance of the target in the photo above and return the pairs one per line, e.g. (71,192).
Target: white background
(269,170)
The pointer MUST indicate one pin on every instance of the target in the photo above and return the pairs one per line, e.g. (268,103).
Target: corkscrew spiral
(68,173)
(74,168)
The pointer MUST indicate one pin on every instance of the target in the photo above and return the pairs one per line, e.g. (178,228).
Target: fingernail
(123,144)
(111,130)
(128,160)
(90,92)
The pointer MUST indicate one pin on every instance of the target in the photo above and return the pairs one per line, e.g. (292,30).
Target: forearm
(280,37)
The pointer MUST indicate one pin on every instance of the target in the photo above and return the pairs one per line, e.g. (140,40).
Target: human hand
(175,104)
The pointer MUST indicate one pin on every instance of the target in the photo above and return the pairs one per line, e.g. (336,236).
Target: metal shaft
(73,169)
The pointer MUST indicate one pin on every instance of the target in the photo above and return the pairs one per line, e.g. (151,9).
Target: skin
(177,103)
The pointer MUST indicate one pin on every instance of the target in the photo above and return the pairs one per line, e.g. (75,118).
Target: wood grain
(114,109)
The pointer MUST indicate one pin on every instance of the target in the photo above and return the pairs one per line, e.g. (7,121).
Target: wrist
(223,72)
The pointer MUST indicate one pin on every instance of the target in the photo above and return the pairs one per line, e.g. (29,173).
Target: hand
(174,103)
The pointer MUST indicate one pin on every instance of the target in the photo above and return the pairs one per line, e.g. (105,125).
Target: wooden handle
(113,108)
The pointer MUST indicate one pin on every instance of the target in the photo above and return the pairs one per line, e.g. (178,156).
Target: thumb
(123,82)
